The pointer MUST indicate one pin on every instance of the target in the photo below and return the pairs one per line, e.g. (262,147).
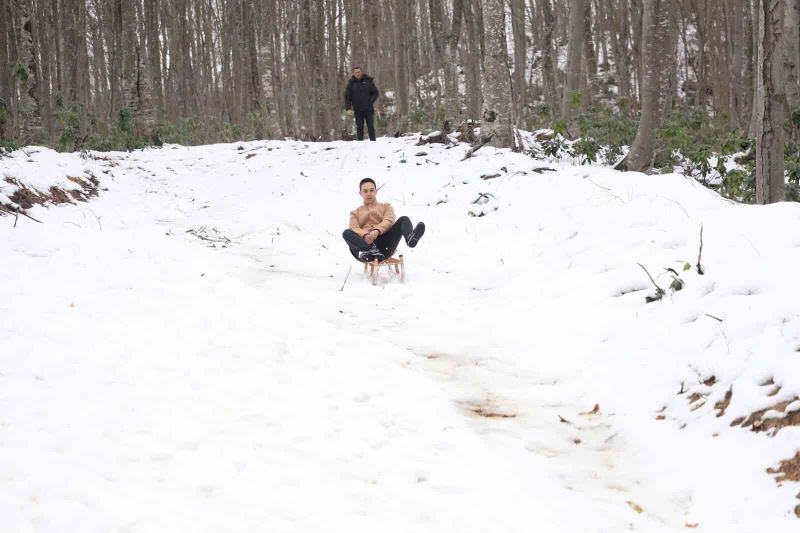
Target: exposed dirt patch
(487,409)
(788,470)
(723,404)
(756,421)
(59,196)
(26,197)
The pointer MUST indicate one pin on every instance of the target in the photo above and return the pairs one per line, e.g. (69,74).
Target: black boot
(415,235)
(371,254)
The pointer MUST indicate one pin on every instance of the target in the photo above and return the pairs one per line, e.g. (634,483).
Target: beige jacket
(377,216)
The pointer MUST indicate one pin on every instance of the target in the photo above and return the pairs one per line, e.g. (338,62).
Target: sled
(394,266)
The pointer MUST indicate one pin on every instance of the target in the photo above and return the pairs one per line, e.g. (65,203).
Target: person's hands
(349,113)
(369,237)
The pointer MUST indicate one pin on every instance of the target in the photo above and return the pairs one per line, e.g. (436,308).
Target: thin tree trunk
(520,60)
(154,51)
(792,40)
(758,98)
(136,94)
(31,119)
(590,81)
(571,100)
(736,45)
(549,65)
(266,60)
(656,25)
(496,122)
(401,63)
(472,69)
(5,62)
(770,185)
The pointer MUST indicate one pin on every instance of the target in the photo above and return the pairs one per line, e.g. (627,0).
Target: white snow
(177,355)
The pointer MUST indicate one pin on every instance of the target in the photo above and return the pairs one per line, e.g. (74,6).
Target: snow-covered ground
(178,353)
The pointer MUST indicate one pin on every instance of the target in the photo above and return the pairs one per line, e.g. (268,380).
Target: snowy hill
(177,353)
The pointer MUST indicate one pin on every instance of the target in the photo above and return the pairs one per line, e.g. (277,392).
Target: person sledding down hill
(373,232)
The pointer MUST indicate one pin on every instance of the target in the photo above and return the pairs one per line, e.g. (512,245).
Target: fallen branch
(345,278)
(700,253)
(659,291)
(481,144)
(18,212)
(541,170)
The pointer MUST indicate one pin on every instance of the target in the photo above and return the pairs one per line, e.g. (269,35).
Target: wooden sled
(395,266)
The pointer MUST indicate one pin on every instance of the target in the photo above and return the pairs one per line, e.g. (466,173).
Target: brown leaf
(635,506)
(594,411)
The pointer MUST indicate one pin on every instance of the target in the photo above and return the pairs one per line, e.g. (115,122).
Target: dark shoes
(371,254)
(416,235)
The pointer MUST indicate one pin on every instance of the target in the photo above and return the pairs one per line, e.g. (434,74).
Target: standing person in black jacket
(359,96)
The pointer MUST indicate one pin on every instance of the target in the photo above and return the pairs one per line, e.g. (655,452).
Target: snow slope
(178,355)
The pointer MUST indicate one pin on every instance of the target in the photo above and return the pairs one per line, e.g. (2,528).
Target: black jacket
(360,94)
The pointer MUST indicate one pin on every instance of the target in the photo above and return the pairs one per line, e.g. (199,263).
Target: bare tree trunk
(82,80)
(637,52)
(5,77)
(154,50)
(736,46)
(770,185)
(41,29)
(358,27)
(590,81)
(31,119)
(792,39)
(136,94)
(496,122)
(266,61)
(371,20)
(656,26)
(571,99)
(549,64)
(617,21)
(520,60)
(472,69)
(401,63)
(451,97)
(758,99)
(318,65)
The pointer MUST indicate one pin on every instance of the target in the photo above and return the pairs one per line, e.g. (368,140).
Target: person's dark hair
(366,180)
(354,68)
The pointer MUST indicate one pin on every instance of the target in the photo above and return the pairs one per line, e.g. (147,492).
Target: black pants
(361,116)
(386,243)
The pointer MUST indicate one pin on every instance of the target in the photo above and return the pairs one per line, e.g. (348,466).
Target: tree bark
(758,99)
(472,71)
(5,77)
(571,100)
(496,122)
(656,26)
(590,82)
(401,63)
(520,60)
(792,39)
(549,65)
(136,94)
(31,119)
(770,185)
(154,51)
